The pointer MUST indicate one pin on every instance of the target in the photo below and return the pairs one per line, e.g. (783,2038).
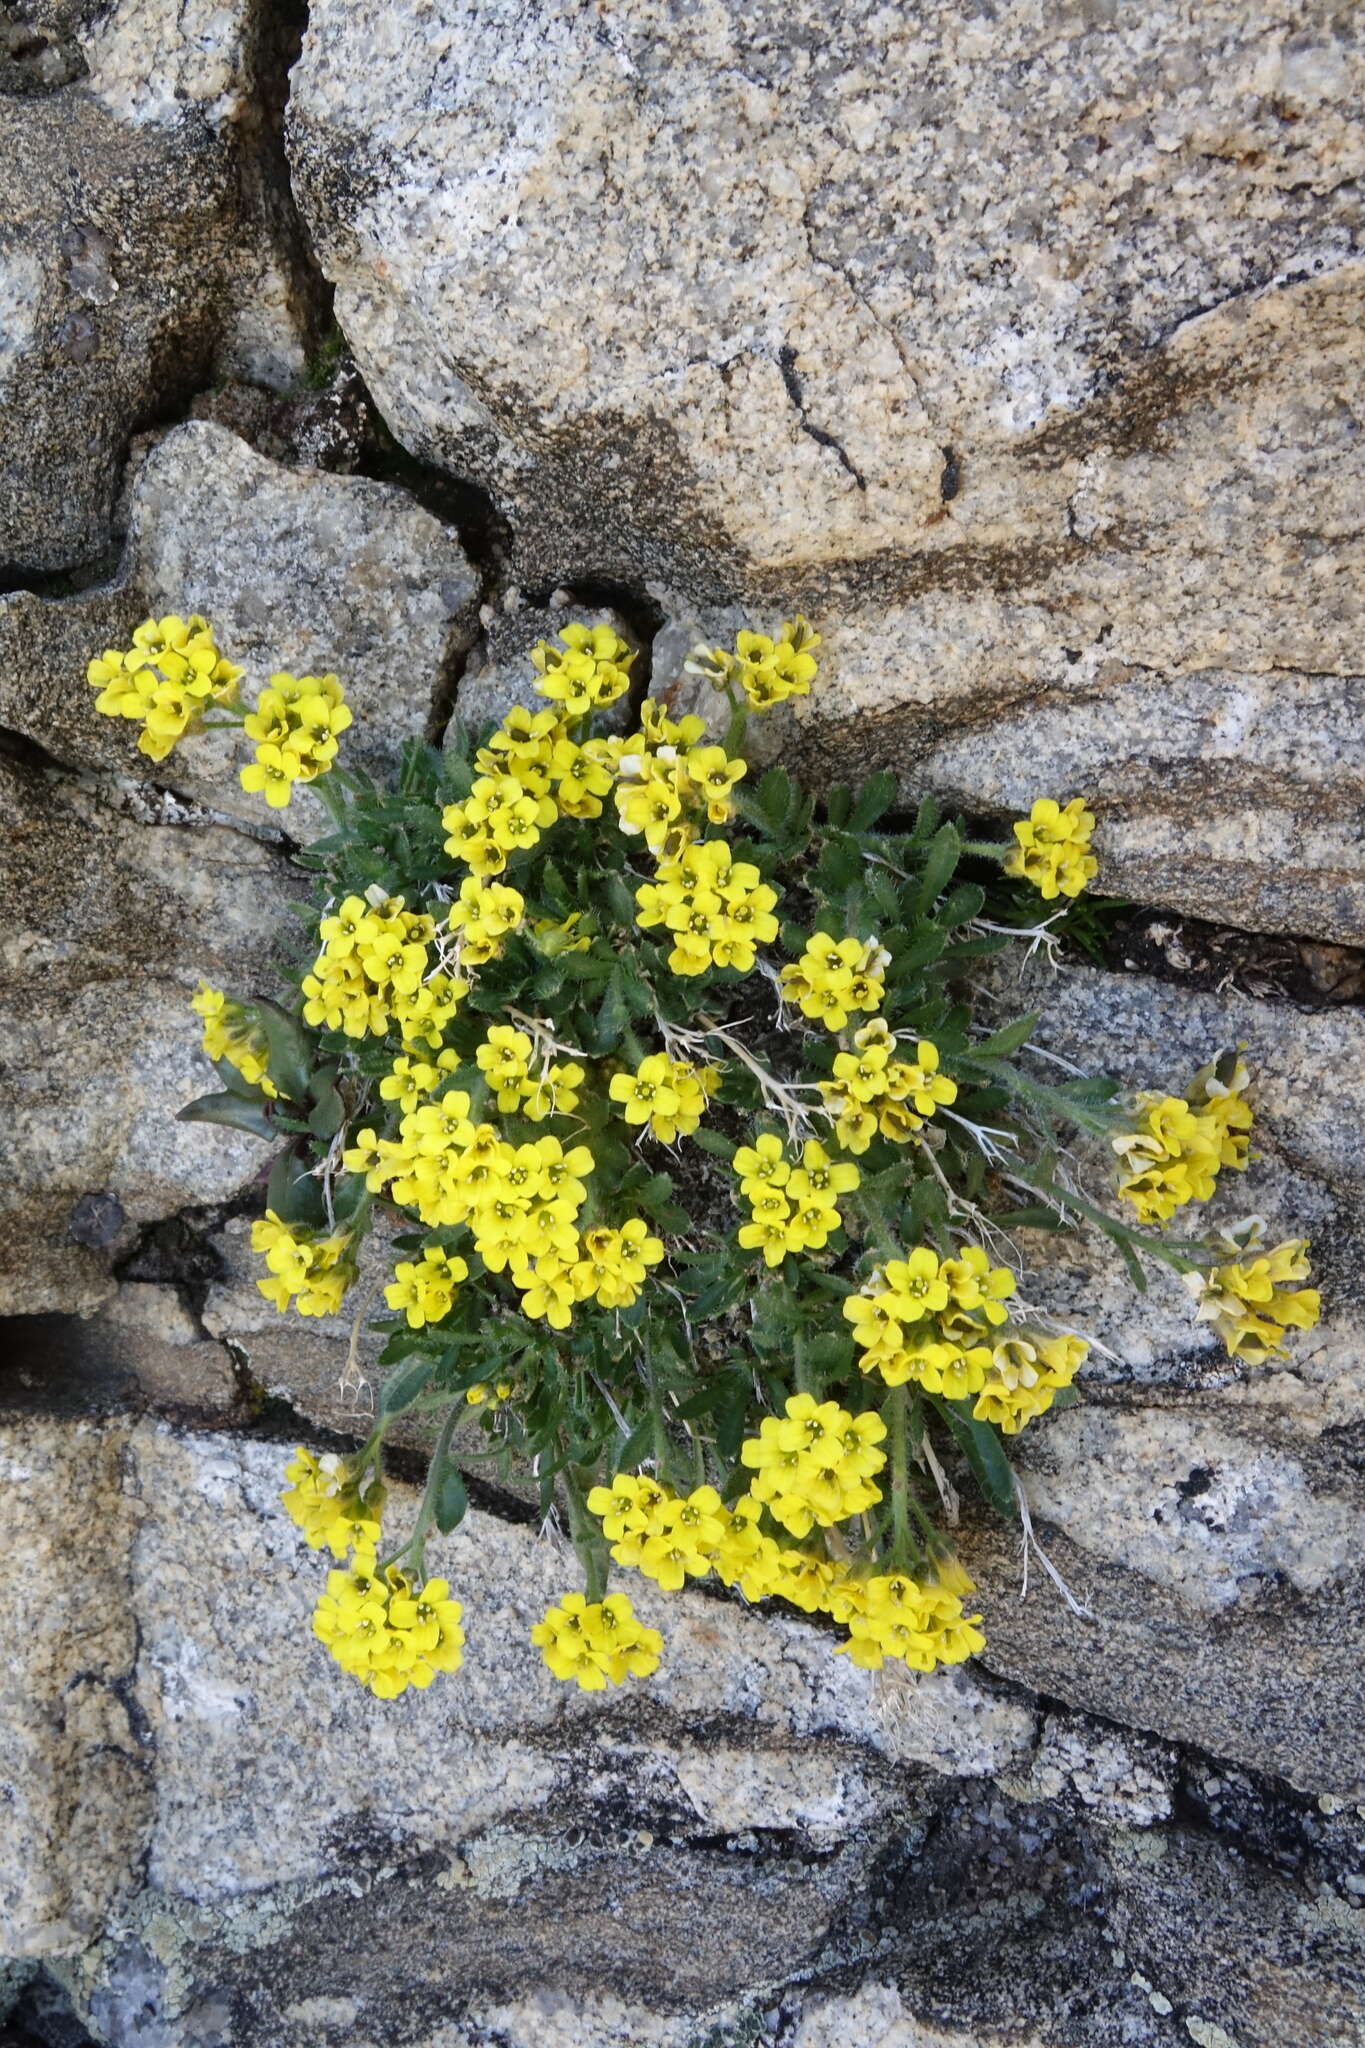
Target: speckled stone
(1018,352)
(113,908)
(77,1800)
(140,254)
(746,1851)
(296,569)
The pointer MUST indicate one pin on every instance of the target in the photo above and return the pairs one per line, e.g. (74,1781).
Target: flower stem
(897,1416)
(588,1540)
(415,1547)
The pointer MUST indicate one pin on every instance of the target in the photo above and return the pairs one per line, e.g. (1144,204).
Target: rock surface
(1021,351)
(113,908)
(1019,354)
(140,250)
(296,569)
(717,1859)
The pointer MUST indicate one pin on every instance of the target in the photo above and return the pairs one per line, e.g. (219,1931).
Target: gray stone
(77,1800)
(1014,361)
(110,918)
(295,569)
(141,249)
(746,1850)
(144,1344)
(1202,1511)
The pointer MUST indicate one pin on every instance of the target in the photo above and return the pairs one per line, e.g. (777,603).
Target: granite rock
(296,569)
(113,909)
(499,674)
(143,249)
(1018,354)
(77,1799)
(756,1848)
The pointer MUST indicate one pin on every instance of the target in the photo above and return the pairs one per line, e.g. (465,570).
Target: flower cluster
(324,1500)
(667,783)
(373,967)
(500,816)
(590,668)
(505,1059)
(386,1630)
(815,1465)
(487,1034)
(667,1096)
(305,1268)
(1053,850)
(520,1203)
(484,914)
(1176,1145)
(873,1091)
(768,671)
(791,1208)
(167,680)
(943,1324)
(597,1643)
(1254,1303)
(230,1035)
(922,1625)
(673,1538)
(834,977)
(1026,1373)
(296,725)
(717,910)
(423,1291)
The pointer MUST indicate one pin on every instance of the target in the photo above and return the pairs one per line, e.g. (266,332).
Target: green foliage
(954,1141)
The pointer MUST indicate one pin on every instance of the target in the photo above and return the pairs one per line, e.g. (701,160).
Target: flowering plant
(658,1095)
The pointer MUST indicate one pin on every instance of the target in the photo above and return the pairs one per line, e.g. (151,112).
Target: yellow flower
(590,668)
(922,1625)
(1025,1373)
(373,969)
(425,1289)
(613,1263)
(597,1644)
(666,1095)
(835,977)
(309,1270)
(228,1036)
(384,1631)
(768,671)
(717,911)
(1174,1148)
(167,679)
(814,1465)
(1254,1303)
(484,914)
(323,1500)
(1054,848)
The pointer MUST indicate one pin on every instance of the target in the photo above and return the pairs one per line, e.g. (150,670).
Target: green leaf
(940,862)
(289,1048)
(983,1451)
(328,1113)
(1008,1039)
(234,1112)
(293,1193)
(613,1015)
(716,1143)
(401,1389)
(631,1449)
(876,796)
(838,804)
(774,797)
(452,1499)
(236,1083)
(620,899)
